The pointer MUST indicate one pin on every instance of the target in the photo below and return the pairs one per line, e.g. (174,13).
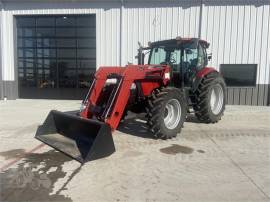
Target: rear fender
(200,75)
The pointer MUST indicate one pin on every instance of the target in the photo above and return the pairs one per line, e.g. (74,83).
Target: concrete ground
(228,161)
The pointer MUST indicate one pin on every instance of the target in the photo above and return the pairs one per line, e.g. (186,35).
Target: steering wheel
(172,61)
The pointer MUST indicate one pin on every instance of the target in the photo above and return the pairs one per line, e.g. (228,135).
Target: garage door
(56,55)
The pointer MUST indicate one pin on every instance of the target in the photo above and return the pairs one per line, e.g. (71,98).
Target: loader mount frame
(109,109)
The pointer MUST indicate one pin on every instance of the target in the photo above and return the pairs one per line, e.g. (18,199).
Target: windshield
(172,56)
(160,55)
(193,56)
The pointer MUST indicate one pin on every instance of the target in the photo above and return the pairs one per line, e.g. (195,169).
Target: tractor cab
(185,56)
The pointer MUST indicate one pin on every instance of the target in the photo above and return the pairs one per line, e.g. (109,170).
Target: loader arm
(150,77)
(88,136)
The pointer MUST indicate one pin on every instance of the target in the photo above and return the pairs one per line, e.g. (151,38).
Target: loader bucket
(82,139)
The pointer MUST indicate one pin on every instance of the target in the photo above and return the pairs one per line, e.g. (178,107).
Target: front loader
(174,80)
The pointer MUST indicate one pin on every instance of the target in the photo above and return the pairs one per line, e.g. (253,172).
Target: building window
(56,51)
(239,75)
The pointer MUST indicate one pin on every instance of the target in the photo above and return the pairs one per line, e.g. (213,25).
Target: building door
(56,55)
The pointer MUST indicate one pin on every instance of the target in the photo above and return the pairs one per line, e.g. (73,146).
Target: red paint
(206,70)
(151,77)
(147,87)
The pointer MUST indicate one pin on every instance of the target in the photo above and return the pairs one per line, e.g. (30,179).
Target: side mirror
(209,56)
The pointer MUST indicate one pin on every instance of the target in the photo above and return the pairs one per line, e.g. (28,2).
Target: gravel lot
(227,161)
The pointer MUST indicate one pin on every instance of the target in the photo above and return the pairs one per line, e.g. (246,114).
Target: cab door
(194,60)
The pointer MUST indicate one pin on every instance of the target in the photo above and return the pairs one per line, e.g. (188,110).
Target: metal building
(49,48)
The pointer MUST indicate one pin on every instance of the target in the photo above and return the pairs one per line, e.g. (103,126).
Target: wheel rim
(217,98)
(172,114)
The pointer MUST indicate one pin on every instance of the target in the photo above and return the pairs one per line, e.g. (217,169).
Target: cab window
(175,59)
(158,56)
(191,57)
(201,57)
(162,55)
(195,58)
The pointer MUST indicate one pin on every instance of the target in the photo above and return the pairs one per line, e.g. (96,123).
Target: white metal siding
(107,29)
(157,21)
(7,47)
(238,31)
(148,22)
(239,34)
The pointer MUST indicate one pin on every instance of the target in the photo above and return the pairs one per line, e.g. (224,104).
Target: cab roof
(179,40)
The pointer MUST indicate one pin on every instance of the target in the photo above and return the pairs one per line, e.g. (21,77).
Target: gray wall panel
(242,96)
(260,96)
(10,90)
(248,96)
(1,83)
(236,99)
(1,89)
(254,96)
(229,95)
(268,97)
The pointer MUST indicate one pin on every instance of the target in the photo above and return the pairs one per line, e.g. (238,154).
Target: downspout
(200,19)
(1,64)
(121,32)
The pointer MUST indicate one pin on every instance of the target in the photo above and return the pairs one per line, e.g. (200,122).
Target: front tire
(166,112)
(210,98)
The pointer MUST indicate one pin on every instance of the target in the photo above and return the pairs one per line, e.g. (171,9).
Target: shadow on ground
(34,177)
(137,126)
(192,119)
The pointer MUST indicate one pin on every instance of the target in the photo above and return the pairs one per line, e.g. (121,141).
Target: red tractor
(174,80)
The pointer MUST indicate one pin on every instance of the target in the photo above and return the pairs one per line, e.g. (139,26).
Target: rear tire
(166,112)
(210,98)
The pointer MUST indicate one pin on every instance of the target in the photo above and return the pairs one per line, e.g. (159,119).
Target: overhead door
(56,55)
